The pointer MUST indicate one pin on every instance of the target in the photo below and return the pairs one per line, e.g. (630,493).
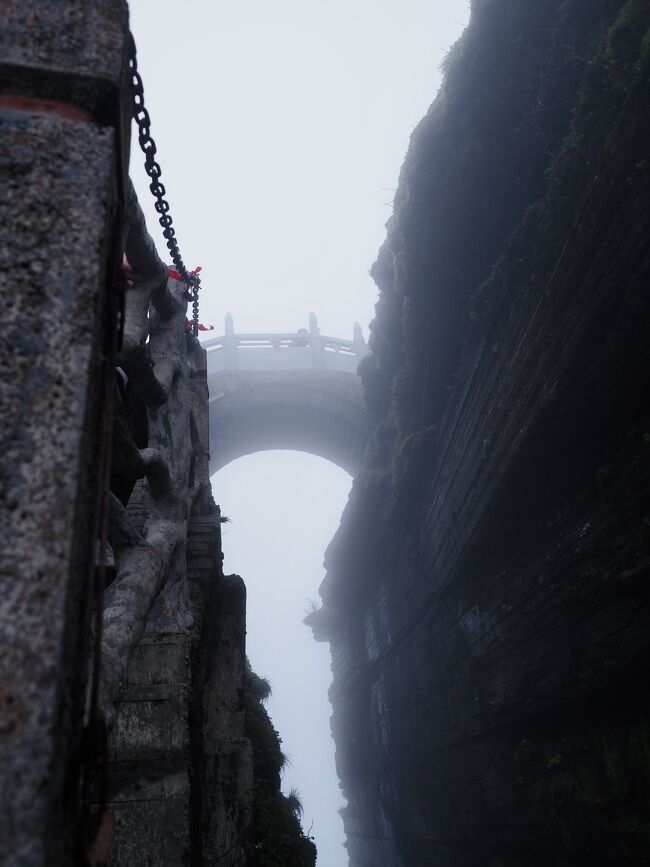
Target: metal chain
(152,168)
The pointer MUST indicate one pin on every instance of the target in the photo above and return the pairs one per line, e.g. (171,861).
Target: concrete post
(230,343)
(61,80)
(316,343)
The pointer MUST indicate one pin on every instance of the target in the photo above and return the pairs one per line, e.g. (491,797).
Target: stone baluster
(230,343)
(360,345)
(316,343)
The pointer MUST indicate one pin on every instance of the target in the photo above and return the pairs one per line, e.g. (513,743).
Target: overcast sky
(281,127)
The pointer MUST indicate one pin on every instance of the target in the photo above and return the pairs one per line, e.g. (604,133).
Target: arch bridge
(294,390)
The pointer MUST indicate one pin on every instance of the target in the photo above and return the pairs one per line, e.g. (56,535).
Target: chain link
(152,168)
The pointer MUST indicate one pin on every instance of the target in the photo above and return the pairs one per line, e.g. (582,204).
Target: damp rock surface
(489,580)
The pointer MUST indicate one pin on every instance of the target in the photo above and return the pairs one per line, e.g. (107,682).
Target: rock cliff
(486,596)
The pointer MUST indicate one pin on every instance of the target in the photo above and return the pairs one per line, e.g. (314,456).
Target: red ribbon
(201,326)
(176,276)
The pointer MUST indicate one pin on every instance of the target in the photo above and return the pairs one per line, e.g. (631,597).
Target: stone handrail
(302,348)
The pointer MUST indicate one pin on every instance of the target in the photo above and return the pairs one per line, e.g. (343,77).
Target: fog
(281,128)
(282,517)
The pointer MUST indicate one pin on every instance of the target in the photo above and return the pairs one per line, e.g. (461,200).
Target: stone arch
(315,411)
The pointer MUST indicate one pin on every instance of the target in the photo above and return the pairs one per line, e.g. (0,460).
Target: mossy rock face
(490,571)
(525,82)
(276,838)
(268,759)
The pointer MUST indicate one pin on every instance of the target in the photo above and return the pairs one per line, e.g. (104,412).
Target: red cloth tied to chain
(176,276)
(200,326)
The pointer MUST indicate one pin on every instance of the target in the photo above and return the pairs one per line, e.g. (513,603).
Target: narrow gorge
(486,599)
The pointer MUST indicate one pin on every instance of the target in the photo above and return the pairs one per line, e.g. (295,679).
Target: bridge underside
(320,412)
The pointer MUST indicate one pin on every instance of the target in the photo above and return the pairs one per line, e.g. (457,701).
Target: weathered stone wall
(487,594)
(61,75)
(180,771)
(173,643)
(180,768)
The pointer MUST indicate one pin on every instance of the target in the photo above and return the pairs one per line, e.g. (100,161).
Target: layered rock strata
(487,593)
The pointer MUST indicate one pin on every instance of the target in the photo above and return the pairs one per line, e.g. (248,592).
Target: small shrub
(276,837)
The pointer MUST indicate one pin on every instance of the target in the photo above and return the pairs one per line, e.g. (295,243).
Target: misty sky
(281,128)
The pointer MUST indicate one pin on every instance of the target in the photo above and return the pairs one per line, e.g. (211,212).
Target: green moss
(260,687)
(413,447)
(623,36)
(527,114)
(276,838)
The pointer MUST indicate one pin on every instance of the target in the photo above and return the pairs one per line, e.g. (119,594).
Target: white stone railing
(305,349)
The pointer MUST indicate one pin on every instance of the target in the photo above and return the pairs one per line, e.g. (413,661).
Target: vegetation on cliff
(276,838)
(532,91)
(489,580)
(508,193)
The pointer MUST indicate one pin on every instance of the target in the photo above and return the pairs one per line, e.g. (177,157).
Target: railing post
(230,343)
(317,353)
(360,345)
